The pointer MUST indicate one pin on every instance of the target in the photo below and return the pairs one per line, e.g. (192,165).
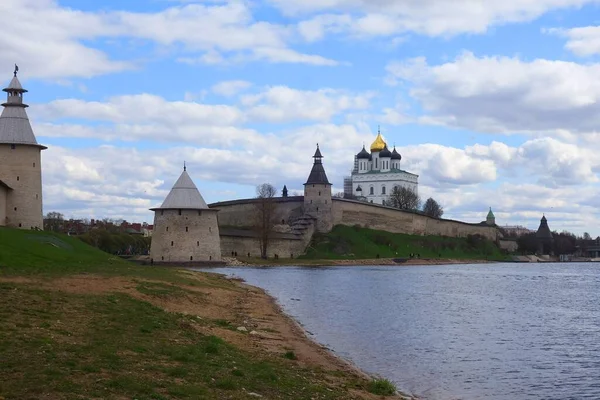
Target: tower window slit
(186,229)
(171,243)
(198,243)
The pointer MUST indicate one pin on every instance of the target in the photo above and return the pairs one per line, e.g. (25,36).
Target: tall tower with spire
(20,163)
(317,195)
(185,229)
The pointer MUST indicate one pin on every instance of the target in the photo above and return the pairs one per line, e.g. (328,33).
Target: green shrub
(382,387)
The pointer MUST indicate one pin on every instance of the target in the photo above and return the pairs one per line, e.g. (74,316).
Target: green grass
(382,387)
(346,242)
(108,346)
(48,254)
(68,346)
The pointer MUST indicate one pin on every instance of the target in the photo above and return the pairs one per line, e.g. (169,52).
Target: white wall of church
(377,187)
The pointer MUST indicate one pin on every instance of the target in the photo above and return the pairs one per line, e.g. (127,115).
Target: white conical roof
(15,84)
(14,124)
(184,194)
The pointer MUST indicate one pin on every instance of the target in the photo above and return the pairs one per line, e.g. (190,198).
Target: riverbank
(244,261)
(184,335)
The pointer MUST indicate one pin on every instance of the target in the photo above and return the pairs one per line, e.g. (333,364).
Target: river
(487,331)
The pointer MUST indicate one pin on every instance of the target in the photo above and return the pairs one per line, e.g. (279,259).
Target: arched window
(383,190)
(371,190)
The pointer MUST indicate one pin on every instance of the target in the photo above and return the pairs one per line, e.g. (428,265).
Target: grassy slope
(346,242)
(67,345)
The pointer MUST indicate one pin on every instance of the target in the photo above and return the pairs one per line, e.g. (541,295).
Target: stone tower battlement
(317,195)
(185,229)
(20,164)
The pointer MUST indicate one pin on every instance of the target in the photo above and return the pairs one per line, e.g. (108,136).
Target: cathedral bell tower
(317,195)
(20,164)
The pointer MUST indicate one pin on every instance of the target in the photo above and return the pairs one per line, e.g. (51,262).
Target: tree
(587,236)
(404,198)
(433,208)
(54,221)
(265,215)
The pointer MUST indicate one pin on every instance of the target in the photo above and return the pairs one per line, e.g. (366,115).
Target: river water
(488,331)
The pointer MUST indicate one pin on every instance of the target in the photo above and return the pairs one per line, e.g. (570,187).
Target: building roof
(490,214)
(385,152)
(14,85)
(363,154)
(378,144)
(184,195)
(396,155)
(14,123)
(376,172)
(317,173)
(543,231)
(318,153)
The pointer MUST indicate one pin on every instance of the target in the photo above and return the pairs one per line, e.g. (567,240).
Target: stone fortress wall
(235,222)
(20,169)
(375,216)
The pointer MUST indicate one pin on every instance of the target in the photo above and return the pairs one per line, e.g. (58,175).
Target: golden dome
(379,144)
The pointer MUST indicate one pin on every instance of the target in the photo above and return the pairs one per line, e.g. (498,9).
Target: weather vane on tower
(16,69)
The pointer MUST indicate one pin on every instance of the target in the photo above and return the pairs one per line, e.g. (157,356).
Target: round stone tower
(20,164)
(185,229)
(317,195)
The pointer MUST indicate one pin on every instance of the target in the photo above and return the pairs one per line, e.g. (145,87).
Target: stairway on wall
(302,224)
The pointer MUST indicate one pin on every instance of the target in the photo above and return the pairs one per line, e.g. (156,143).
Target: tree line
(106,234)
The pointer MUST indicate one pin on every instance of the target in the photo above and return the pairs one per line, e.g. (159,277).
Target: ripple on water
(505,331)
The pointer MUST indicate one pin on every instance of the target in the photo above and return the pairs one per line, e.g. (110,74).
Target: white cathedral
(375,174)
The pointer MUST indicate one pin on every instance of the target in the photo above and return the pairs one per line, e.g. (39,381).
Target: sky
(492,103)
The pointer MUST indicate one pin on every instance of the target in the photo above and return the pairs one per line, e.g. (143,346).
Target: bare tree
(404,198)
(265,215)
(433,208)
(54,221)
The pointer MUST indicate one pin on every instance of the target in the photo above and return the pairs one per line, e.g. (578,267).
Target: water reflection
(501,331)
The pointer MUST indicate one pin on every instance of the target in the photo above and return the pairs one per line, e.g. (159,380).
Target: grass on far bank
(64,345)
(354,242)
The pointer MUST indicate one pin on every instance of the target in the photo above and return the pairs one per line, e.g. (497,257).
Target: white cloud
(504,94)
(67,43)
(90,181)
(281,103)
(428,17)
(583,41)
(230,88)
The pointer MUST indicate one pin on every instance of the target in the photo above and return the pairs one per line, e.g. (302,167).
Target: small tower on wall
(490,219)
(185,229)
(317,195)
(544,237)
(20,163)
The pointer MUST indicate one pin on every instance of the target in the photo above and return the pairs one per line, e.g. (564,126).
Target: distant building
(20,164)
(544,237)
(185,229)
(375,174)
